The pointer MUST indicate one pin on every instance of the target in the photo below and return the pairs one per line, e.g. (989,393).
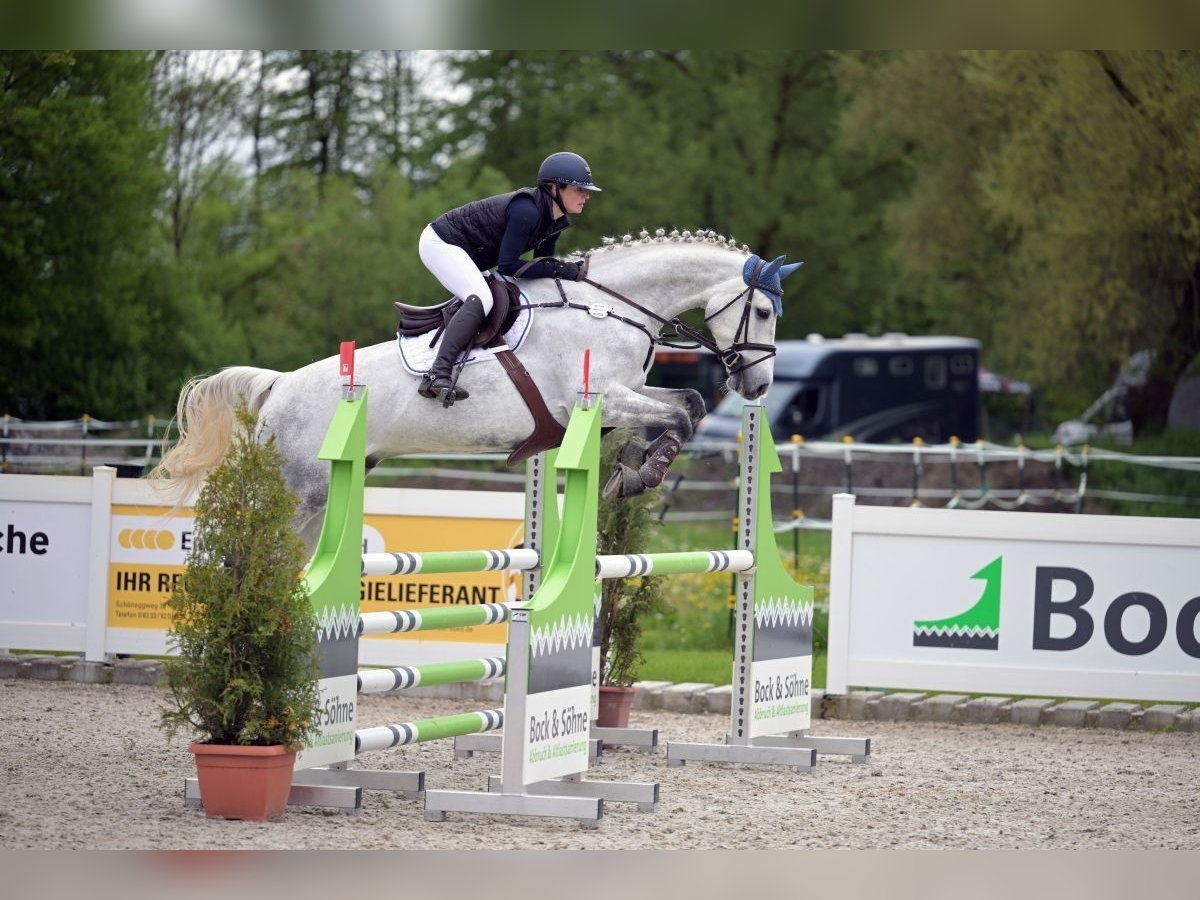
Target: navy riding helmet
(567,168)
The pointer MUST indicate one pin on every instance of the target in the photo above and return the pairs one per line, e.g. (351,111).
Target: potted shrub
(623,526)
(245,677)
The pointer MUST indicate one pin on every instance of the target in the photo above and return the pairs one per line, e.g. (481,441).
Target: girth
(547,432)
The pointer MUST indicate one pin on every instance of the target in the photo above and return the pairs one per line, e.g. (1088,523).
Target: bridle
(733,353)
(731,356)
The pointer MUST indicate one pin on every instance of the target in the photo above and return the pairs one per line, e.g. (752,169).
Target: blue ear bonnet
(767,278)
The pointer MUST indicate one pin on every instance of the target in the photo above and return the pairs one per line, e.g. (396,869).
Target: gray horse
(634,287)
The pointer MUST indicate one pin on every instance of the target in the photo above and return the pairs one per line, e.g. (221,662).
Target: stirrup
(443,388)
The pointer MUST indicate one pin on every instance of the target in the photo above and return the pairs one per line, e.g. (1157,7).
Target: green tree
(87,304)
(743,143)
(1051,209)
(242,622)
(199,99)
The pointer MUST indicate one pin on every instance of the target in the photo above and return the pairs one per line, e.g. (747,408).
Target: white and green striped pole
(378,681)
(386,736)
(405,620)
(634,565)
(449,562)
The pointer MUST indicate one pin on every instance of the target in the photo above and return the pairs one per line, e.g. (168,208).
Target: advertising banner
(43,573)
(89,563)
(420,520)
(147,557)
(427,533)
(1032,604)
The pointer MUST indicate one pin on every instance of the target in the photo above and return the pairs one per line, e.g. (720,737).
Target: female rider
(460,245)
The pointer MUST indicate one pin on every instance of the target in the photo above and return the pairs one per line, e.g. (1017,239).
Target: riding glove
(567,271)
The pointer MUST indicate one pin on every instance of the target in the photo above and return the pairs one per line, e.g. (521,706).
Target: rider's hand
(567,271)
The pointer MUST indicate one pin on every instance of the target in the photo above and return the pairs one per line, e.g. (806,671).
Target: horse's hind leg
(310,484)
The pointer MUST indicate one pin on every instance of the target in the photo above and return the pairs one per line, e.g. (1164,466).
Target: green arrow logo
(976,629)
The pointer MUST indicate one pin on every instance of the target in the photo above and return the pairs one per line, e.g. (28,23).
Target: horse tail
(204,417)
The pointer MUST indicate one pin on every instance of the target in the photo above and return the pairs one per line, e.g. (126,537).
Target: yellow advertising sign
(416,534)
(148,553)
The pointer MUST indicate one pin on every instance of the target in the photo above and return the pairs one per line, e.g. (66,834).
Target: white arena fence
(87,564)
(76,445)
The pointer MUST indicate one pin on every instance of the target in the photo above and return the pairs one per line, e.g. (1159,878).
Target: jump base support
(410,785)
(467,745)
(802,759)
(348,800)
(644,794)
(588,810)
(645,740)
(858,749)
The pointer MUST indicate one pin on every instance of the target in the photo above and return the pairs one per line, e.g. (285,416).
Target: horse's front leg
(640,467)
(686,399)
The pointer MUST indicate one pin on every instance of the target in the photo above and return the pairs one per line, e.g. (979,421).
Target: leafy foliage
(166,214)
(243,625)
(624,526)
(745,143)
(1052,205)
(79,178)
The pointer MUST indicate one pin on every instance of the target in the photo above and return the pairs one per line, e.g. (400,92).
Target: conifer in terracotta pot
(245,677)
(624,526)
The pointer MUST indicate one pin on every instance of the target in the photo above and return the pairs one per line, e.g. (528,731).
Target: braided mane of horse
(661,236)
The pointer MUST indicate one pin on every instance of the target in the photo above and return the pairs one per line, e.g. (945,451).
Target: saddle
(506,298)
(415,320)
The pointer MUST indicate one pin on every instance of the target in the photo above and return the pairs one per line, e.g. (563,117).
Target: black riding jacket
(500,229)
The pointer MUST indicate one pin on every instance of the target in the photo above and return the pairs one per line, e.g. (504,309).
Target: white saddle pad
(417,356)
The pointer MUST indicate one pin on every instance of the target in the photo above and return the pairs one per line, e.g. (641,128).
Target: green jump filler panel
(771,703)
(333,579)
(561,616)
(773,624)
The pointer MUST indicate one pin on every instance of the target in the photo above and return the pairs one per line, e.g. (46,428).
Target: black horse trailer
(872,389)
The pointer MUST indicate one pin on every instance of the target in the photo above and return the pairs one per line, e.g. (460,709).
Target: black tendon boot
(659,457)
(460,330)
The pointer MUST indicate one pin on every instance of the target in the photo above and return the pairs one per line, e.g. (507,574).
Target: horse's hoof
(623,483)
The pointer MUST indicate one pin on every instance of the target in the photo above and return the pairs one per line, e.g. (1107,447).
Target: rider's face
(573,198)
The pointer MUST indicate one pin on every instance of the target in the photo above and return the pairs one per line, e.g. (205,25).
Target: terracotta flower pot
(249,783)
(615,703)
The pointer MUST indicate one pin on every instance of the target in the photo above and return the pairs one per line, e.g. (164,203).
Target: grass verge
(703,666)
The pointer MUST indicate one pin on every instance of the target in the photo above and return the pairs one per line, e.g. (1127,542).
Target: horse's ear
(787,270)
(771,268)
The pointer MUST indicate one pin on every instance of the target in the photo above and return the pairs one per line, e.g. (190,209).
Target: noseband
(731,356)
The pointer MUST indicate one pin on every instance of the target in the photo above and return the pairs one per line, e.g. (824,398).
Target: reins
(731,356)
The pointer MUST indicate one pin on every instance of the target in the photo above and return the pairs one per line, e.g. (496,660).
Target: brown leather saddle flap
(506,297)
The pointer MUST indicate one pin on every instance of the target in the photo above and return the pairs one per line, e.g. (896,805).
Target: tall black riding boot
(460,330)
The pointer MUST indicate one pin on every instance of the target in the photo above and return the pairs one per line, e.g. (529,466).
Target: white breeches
(453,268)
